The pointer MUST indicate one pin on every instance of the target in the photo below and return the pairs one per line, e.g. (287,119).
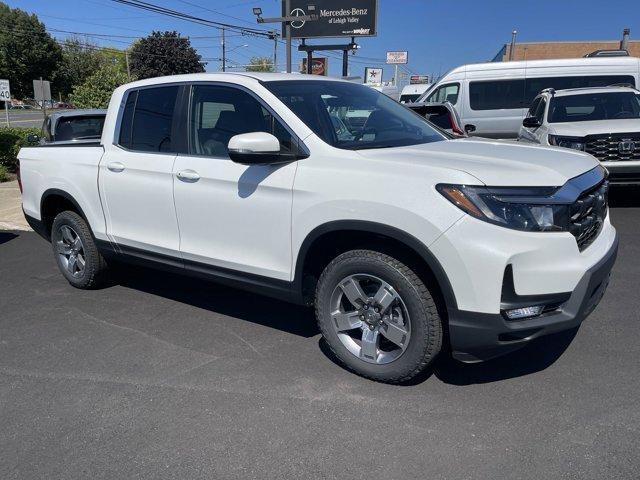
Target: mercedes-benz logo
(298,12)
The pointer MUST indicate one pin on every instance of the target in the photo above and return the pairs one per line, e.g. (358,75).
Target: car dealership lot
(159,376)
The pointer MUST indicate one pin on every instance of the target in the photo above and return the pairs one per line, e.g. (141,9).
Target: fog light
(524,312)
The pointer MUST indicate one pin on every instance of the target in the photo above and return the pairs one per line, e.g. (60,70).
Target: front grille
(588,213)
(615,147)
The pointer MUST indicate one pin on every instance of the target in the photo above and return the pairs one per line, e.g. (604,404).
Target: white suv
(604,122)
(331,194)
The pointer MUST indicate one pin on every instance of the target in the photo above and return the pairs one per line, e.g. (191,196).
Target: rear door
(136,172)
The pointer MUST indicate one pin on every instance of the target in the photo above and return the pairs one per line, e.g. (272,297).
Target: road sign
(41,90)
(5,94)
(397,58)
(336,18)
(373,76)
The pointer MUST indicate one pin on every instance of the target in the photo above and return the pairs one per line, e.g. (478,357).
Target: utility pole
(275,50)
(126,59)
(513,44)
(224,53)
(44,106)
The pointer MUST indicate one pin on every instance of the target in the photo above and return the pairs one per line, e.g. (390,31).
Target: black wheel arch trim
(381,229)
(60,193)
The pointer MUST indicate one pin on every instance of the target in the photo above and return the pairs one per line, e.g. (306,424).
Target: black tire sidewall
(421,345)
(93,261)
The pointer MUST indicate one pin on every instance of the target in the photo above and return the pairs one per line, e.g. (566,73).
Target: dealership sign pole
(397,58)
(5,95)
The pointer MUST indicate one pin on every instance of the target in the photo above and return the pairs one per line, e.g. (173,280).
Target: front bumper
(481,336)
(623,172)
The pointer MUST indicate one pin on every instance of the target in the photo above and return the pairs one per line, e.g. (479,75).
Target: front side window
(540,110)
(147,120)
(497,95)
(594,107)
(534,107)
(445,93)
(219,113)
(352,116)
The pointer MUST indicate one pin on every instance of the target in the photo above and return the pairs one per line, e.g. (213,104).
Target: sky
(438,34)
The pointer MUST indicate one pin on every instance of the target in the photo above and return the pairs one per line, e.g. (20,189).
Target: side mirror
(255,148)
(530,122)
(469,128)
(32,138)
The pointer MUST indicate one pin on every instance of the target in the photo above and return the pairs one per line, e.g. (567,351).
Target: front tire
(377,316)
(75,251)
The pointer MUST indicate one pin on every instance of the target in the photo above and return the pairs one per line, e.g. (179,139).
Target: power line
(190,18)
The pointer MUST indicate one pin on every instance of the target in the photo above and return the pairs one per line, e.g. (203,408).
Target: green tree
(164,53)
(27,51)
(260,64)
(96,91)
(80,60)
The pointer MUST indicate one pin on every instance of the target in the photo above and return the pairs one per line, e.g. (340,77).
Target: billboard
(336,18)
(319,66)
(373,76)
(397,58)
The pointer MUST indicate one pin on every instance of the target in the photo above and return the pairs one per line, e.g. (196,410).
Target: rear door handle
(188,176)
(115,167)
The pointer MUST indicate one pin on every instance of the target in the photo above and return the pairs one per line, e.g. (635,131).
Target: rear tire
(377,316)
(75,251)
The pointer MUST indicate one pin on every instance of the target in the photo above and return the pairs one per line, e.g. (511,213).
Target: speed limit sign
(5,94)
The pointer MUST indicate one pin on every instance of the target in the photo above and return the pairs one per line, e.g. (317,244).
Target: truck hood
(582,129)
(493,162)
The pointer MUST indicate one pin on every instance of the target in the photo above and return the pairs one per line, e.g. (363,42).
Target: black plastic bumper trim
(477,336)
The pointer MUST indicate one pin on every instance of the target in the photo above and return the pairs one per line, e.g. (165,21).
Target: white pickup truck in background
(404,238)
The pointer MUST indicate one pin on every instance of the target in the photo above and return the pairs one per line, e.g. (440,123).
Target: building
(548,50)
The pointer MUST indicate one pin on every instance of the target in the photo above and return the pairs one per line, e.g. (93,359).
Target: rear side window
(147,120)
(535,85)
(497,95)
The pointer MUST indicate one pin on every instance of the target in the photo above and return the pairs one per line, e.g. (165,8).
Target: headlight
(519,208)
(576,143)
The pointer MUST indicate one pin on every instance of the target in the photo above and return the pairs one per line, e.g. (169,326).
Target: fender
(61,193)
(381,229)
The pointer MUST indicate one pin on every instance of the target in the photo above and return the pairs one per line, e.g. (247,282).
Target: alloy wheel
(70,251)
(370,318)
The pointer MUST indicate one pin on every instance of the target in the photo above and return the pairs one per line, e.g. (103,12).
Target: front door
(230,215)
(136,175)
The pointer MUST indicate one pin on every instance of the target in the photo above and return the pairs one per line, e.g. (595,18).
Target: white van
(493,98)
(411,93)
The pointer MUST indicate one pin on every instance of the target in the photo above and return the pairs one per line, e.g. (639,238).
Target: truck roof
(230,76)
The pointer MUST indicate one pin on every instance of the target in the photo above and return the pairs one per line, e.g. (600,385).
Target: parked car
(77,126)
(604,122)
(411,93)
(23,106)
(493,98)
(442,115)
(62,105)
(396,235)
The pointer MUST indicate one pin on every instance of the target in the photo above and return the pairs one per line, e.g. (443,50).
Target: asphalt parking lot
(159,376)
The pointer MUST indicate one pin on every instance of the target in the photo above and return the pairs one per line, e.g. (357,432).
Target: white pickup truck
(406,240)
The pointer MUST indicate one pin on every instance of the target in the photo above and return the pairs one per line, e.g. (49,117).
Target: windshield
(409,97)
(594,106)
(353,116)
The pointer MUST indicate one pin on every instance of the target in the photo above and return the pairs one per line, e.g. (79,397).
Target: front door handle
(115,167)
(188,176)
